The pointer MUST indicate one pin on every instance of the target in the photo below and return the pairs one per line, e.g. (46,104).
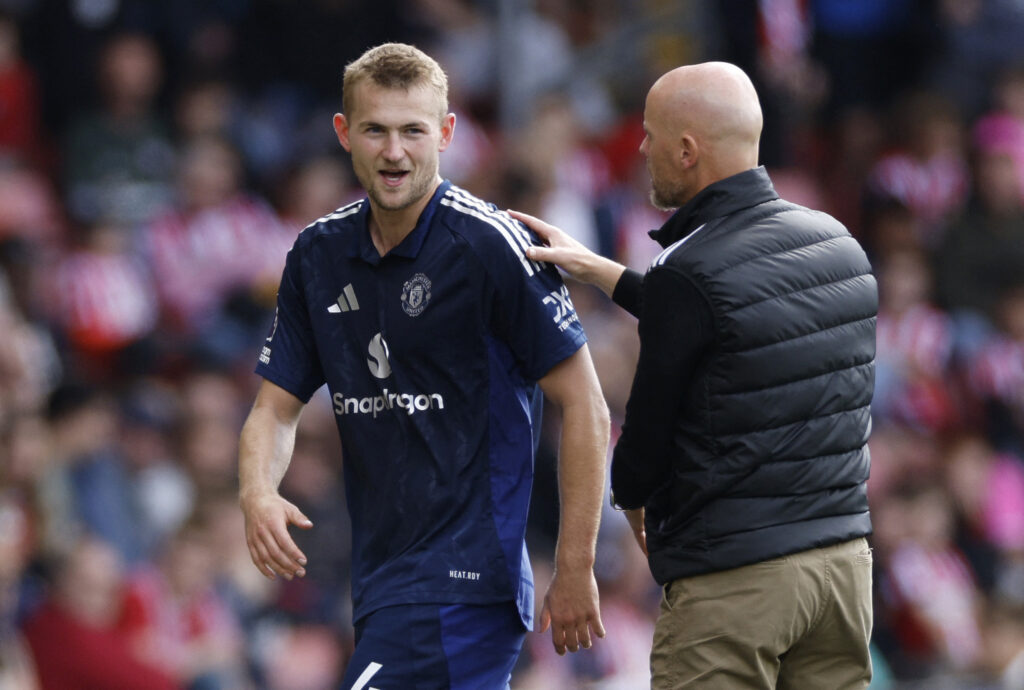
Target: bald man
(742,462)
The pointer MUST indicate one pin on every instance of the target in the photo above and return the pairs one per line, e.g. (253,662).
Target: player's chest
(413,311)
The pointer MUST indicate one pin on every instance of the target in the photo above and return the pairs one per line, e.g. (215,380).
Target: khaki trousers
(800,622)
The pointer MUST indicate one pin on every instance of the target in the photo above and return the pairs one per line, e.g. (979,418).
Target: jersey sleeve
(289,356)
(534,314)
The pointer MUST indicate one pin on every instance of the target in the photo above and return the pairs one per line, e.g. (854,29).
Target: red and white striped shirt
(932,189)
(998,372)
(199,259)
(102,301)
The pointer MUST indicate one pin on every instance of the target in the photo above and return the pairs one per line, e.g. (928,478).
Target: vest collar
(722,198)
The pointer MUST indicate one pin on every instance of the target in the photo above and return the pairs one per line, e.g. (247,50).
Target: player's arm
(571,606)
(265,450)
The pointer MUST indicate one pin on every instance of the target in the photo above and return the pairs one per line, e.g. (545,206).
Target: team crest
(416,294)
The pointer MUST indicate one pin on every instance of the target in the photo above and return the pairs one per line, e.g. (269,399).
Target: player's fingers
(288,544)
(258,562)
(572,643)
(278,545)
(579,637)
(596,625)
(558,638)
(583,635)
(296,517)
(261,558)
(277,562)
(545,618)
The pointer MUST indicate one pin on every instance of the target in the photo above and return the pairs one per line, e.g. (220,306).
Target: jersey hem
(363,610)
(559,356)
(284,382)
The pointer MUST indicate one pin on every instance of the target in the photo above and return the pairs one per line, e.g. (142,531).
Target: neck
(389,227)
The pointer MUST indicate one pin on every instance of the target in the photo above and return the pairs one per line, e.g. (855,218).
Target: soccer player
(419,309)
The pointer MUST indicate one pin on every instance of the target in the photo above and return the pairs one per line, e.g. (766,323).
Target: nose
(393,148)
(643,147)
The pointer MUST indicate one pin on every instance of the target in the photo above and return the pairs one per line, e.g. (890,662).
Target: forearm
(581,476)
(602,272)
(265,451)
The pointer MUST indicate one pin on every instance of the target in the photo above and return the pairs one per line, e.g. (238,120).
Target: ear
(447,131)
(341,129)
(689,152)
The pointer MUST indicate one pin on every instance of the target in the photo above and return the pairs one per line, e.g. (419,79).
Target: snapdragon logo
(380,367)
(375,404)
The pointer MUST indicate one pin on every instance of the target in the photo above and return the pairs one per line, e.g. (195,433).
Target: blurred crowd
(158,159)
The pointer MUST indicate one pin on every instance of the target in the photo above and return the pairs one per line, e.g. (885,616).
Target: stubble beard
(662,201)
(417,190)
(661,198)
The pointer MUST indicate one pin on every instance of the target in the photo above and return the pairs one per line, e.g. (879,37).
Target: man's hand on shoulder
(273,551)
(572,609)
(575,259)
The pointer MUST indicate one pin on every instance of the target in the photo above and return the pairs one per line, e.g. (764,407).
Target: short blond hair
(394,66)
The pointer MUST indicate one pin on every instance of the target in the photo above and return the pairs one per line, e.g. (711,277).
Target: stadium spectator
(935,599)
(119,159)
(997,374)
(215,254)
(87,464)
(177,619)
(915,347)
(101,300)
(987,488)
(926,171)
(982,253)
(74,637)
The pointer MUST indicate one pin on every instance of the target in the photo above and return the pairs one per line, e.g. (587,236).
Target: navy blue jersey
(431,356)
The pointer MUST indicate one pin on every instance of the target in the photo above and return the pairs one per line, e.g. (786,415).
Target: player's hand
(272,549)
(572,610)
(636,522)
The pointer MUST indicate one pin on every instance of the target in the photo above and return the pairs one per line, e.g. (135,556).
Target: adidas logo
(346,301)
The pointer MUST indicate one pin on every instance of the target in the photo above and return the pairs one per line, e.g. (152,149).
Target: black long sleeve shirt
(676,329)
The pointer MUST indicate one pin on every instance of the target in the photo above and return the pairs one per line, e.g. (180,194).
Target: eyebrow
(372,123)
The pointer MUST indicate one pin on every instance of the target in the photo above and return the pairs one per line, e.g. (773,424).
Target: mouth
(393,178)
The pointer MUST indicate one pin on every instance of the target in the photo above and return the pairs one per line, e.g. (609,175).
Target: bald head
(710,113)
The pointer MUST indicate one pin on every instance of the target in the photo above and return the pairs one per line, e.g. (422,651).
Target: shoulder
(341,221)
(804,216)
(490,233)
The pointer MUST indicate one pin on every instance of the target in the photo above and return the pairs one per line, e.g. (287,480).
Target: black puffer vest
(771,439)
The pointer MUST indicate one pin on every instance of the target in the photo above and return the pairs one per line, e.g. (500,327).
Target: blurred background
(157,159)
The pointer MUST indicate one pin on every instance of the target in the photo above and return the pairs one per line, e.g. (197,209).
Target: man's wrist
(248,493)
(575,561)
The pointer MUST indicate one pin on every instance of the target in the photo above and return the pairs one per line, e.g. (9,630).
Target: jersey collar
(408,248)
